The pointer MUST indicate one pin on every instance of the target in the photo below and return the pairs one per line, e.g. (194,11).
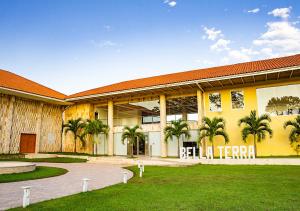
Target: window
(156,119)
(192,117)
(215,102)
(146,119)
(237,99)
(150,119)
(174,117)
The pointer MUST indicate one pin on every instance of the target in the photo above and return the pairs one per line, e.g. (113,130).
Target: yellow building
(230,92)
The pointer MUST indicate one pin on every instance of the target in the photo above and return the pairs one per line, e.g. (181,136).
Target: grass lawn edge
(41,172)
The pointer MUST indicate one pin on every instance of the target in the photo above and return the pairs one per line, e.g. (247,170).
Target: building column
(110,122)
(163,124)
(39,128)
(200,105)
(8,129)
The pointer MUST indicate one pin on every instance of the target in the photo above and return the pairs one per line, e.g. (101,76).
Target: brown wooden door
(27,143)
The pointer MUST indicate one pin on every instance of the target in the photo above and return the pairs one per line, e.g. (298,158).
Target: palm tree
(131,134)
(75,126)
(211,128)
(177,128)
(94,128)
(256,126)
(295,132)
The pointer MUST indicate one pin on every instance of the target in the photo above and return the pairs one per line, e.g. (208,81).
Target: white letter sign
(230,152)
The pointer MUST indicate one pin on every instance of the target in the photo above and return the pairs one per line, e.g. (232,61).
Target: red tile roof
(15,82)
(213,72)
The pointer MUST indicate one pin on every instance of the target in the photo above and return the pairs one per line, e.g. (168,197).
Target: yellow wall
(84,111)
(278,145)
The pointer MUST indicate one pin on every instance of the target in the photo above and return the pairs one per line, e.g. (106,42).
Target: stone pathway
(155,161)
(101,175)
(147,161)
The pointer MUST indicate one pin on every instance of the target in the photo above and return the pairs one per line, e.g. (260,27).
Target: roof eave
(184,83)
(33,96)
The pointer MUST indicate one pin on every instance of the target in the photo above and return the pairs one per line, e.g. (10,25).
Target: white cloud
(239,55)
(249,51)
(104,43)
(282,36)
(256,10)
(281,12)
(170,3)
(211,33)
(224,60)
(268,52)
(220,45)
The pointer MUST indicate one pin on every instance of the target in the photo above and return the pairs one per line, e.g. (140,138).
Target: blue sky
(72,45)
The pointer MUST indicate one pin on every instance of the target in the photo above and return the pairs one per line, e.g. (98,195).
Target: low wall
(16,167)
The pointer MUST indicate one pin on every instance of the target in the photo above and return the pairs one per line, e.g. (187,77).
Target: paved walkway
(147,161)
(101,175)
(186,162)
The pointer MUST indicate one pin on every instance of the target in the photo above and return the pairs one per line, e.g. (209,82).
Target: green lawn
(49,160)
(201,187)
(280,156)
(40,172)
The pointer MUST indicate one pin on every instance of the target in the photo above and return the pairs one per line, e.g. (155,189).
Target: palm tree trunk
(94,148)
(178,150)
(254,140)
(75,148)
(94,144)
(213,148)
(104,145)
(132,148)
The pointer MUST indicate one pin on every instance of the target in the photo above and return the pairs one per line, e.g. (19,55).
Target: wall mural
(283,105)
(281,100)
